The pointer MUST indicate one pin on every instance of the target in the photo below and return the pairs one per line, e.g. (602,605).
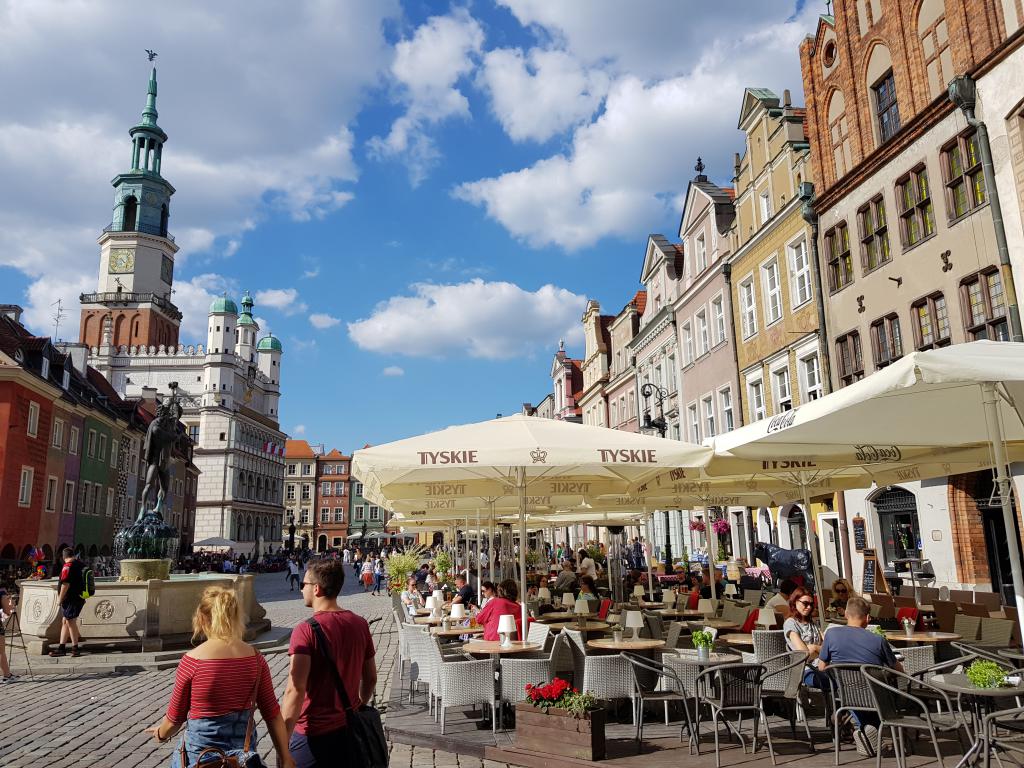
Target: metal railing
(146,229)
(131,298)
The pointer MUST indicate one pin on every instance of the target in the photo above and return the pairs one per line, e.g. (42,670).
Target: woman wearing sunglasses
(802,632)
(842,590)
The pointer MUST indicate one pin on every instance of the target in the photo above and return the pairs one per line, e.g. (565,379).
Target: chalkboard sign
(860,534)
(873,579)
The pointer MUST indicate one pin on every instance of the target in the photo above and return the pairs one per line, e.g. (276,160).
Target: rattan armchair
(606,677)
(900,710)
(784,674)
(729,689)
(517,671)
(657,682)
(851,692)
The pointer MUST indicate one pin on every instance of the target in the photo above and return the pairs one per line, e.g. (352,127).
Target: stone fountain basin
(151,615)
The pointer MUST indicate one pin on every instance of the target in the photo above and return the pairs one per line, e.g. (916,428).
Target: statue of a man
(156,449)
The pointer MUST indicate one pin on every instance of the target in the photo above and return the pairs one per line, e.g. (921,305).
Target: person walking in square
(293,574)
(217,687)
(71,602)
(313,707)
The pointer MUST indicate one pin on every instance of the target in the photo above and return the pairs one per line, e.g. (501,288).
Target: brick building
(300,490)
(905,234)
(333,499)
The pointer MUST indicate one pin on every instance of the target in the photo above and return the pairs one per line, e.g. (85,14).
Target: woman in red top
(215,686)
(502,605)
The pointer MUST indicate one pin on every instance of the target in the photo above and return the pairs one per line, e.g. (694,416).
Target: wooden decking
(411,724)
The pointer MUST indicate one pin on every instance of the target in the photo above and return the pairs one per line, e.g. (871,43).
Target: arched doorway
(898,524)
(93,551)
(985,493)
(321,543)
(765,528)
(793,520)
(8,552)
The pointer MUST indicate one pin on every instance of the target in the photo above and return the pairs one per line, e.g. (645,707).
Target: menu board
(873,579)
(860,533)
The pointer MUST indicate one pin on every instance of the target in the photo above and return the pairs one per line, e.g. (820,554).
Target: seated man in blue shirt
(854,644)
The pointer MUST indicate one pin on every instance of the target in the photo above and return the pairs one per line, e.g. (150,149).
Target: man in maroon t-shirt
(312,706)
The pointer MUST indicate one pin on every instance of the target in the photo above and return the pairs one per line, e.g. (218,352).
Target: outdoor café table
(637,644)
(689,655)
(456,631)
(423,611)
(675,613)
(743,640)
(496,650)
(922,637)
(719,624)
(981,701)
(548,618)
(427,620)
(590,626)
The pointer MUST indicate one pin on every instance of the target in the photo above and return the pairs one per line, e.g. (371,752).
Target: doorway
(997,543)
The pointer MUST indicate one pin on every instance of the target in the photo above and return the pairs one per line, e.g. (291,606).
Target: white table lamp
(543,593)
(634,621)
(639,591)
(506,628)
(431,604)
(438,596)
(568,601)
(458,611)
(730,589)
(765,618)
(706,607)
(581,607)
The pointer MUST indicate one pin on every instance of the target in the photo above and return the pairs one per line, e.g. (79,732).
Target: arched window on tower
(163,220)
(130,214)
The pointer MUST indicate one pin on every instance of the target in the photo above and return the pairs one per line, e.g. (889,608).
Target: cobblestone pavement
(94,720)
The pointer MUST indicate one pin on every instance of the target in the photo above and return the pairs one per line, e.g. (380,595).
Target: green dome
(224,305)
(246,319)
(269,343)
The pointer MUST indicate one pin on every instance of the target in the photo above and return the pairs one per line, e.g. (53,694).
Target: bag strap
(252,703)
(324,646)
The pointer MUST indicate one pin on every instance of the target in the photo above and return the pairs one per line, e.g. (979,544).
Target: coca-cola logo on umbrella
(876,454)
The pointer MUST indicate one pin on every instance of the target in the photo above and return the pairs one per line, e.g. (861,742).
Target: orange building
(333,500)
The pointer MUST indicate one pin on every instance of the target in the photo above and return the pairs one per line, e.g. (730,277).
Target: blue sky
(421,195)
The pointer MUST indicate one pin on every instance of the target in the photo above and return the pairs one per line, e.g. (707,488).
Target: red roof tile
(298,449)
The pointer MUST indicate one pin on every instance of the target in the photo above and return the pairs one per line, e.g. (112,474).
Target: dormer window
(66,381)
(45,370)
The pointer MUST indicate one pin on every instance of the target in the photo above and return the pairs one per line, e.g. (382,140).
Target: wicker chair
(995,633)
(852,693)
(993,601)
(675,629)
(517,671)
(607,677)
(654,625)
(967,626)
(658,682)
(901,710)
(1003,730)
(733,689)
(753,596)
(768,643)
(422,664)
(784,674)
(458,683)
(540,634)
(735,613)
(918,658)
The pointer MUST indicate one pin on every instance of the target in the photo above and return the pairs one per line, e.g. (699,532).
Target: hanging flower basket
(721,527)
(698,525)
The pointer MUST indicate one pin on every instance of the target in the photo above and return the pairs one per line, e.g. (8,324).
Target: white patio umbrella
(521,455)
(930,414)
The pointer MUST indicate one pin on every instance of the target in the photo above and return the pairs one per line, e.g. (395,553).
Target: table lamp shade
(706,607)
(765,617)
(730,590)
(507,624)
(581,607)
(431,603)
(639,590)
(438,595)
(458,611)
(634,620)
(568,599)
(543,593)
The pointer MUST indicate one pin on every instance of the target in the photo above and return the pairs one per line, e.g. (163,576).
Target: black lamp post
(658,426)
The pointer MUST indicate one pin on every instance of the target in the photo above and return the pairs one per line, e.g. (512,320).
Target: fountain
(146,605)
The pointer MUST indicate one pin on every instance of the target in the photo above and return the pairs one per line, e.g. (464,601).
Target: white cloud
(322,320)
(491,320)
(393,370)
(193,297)
(284,300)
(255,130)
(299,429)
(540,94)
(309,274)
(426,69)
(624,171)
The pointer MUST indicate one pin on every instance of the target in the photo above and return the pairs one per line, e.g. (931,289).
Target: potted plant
(703,641)
(443,568)
(557,719)
(399,567)
(986,674)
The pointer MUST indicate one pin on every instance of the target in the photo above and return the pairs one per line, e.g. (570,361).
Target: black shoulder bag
(365,724)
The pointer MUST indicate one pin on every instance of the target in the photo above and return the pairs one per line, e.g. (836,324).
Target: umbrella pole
(491,554)
(650,571)
(479,568)
(521,483)
(995,432)
(815,565)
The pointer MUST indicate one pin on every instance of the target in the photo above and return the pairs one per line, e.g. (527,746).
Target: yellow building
(774,293)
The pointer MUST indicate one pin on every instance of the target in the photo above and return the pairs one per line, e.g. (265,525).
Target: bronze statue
(160,440)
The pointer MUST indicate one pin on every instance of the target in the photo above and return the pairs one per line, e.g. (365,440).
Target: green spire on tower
(149,114)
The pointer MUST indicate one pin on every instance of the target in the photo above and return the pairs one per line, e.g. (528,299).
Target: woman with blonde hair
(217,688)
(842,590)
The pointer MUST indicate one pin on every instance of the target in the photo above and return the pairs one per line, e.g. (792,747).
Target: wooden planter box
(559,733)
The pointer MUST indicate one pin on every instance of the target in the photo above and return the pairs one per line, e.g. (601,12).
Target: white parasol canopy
(520,455)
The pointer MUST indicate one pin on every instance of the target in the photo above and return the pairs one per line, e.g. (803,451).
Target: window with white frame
(304,517)
(687,343)
(44,369)
(811,377)
(708,406)
(748,308)
(755,392)
(113,453)
(57,437)
(51,494)
(725,408)
(718,319)
(657,375)
(359,489)
(703,337)
(800,273)
(615,412)
(32,429)
(307,492)
(702,254)
(325,515)
(339,488)
(693,423)
(632,405)
(339,514)
(25,487)
(91,444)
(292,469)
(109,510)
(325,488)
(674,432)
(374,512)
(781,390)
(766,206)
(772,292)
(670,368)
(307,469)
(68,505)
(73,441)
(289,492)
(103,448)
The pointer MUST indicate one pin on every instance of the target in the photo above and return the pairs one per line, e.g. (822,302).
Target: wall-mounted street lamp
(657,426)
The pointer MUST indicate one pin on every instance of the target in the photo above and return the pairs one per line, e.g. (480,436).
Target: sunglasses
(805,603)
(841,591)
(306,584)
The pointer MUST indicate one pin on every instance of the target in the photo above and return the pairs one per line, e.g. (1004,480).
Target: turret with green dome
(270,343)
(246,317)
(223,305)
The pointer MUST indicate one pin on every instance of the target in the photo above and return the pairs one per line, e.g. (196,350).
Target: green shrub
(986,674)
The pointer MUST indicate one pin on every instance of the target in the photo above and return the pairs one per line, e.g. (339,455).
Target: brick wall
(970,551)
